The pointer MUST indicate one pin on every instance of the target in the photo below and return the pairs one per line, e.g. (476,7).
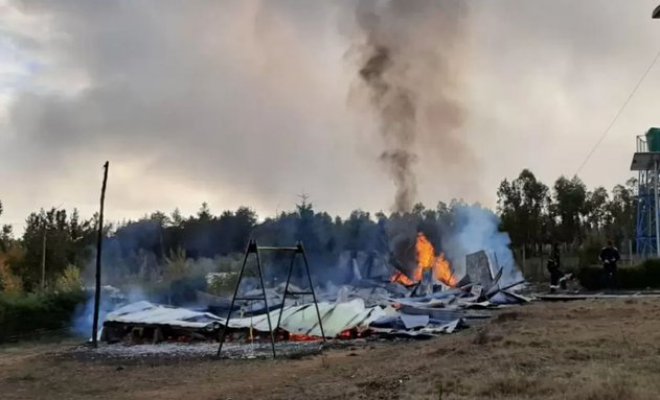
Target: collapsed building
(416,298)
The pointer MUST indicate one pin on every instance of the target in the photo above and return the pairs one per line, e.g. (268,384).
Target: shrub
(177,265)
(591,278)
(26,316)
(224,284)
(590,250)
(230,263)
(10,283)
(641,276)
(70,280)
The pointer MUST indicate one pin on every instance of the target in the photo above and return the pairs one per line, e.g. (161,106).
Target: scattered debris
(429,303)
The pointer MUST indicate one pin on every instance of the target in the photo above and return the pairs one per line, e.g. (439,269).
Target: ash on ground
(194,351)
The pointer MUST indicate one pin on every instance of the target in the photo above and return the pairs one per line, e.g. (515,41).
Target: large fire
(427,260)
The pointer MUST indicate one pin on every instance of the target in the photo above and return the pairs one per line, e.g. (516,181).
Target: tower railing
(645,163)
(642,146)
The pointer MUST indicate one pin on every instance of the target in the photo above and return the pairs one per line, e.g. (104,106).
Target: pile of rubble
(367,308)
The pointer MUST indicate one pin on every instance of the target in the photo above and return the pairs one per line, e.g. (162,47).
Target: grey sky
(246,103)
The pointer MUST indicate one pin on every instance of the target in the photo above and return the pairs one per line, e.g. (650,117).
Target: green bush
(641,276)
(69,280)
(27,316)
(223,285)
(589,252)
(591,278)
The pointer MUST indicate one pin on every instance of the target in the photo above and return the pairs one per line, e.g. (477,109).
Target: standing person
(554,268)
(609,256)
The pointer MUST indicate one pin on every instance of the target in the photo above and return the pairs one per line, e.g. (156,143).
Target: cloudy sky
(250,102)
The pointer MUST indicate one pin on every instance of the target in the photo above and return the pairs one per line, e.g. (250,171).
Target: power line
(618,114)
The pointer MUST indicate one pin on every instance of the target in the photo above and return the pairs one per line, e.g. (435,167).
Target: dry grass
(588,350)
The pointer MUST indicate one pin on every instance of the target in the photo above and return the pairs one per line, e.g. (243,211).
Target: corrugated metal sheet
(144,312)
(302,320)
(427,331)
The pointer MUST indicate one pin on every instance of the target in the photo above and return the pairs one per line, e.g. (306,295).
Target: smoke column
(474,229)
(408,53)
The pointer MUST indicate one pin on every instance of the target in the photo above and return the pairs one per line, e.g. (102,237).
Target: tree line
(567,213)
(532,213)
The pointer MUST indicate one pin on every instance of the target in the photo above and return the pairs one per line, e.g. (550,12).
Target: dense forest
(160,245)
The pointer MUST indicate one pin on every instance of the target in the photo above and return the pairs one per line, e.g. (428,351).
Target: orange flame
(427,260)
(443,271)
(400,277)
(302,338)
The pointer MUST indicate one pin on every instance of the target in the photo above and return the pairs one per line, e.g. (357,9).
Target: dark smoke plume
(408,58)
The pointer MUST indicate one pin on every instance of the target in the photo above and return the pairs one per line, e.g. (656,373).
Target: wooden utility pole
(99,249)
(43,258)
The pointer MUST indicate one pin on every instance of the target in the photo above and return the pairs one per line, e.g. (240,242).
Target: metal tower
(646,162)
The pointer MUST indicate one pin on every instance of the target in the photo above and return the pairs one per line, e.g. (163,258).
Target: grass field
(582,350)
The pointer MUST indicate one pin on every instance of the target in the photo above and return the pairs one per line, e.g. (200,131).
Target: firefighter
(554,268)
(609,256)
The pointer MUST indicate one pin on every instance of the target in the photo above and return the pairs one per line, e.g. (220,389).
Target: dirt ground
(581,350)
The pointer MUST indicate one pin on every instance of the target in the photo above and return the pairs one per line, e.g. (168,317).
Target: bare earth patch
(584,350)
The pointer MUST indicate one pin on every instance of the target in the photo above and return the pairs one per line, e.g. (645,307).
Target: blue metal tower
(646,162)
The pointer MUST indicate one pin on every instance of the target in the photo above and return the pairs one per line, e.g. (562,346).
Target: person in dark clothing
(609,256)
(554,268)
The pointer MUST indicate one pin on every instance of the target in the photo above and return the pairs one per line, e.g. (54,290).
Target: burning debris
(421,280)
(427,262)
(370,309)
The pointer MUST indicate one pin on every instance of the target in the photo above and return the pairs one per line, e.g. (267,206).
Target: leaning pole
(99,250)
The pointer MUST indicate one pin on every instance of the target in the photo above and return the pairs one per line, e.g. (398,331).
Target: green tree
(67,242)
(244,221)
(442,212)
(621,211)
(176,218)
(6,234)
(306,230)
(418,209)
(523,208)
(161,218)
(204,213)
(596,211)
(570,196)
(356,230)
